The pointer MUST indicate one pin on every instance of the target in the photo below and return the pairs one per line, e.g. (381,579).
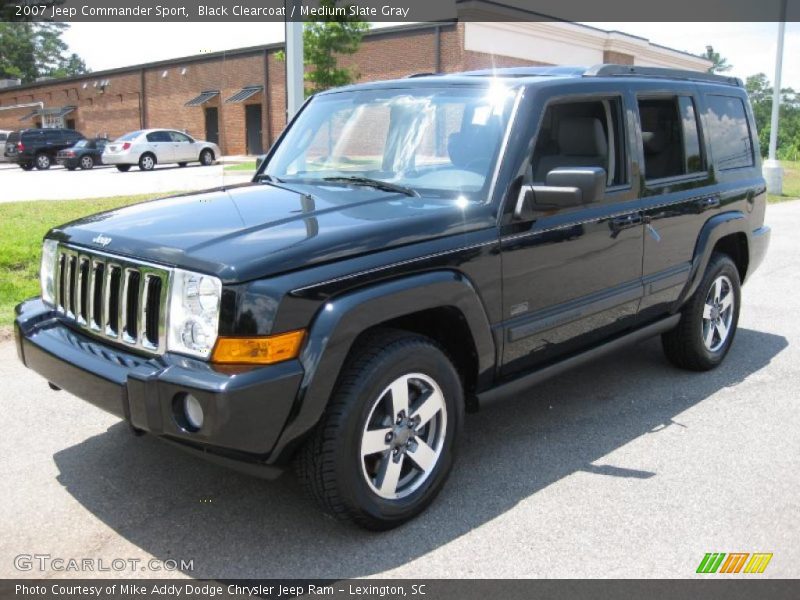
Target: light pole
(294,58)
(773,172)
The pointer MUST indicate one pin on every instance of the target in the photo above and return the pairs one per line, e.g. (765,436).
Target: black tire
(207,157)
(685,345)
(147,162)
(71,168)
(42,161)
(26,166)
(123,168)
(182,164)
(330,464)
(87,162)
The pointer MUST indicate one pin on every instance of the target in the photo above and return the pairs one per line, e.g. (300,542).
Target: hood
(254,230)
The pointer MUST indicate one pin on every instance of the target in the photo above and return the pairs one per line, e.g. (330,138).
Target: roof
(531,75)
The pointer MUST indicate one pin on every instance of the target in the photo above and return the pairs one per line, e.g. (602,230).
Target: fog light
(193,412)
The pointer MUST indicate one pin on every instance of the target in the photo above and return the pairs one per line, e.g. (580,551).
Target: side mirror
(564,187)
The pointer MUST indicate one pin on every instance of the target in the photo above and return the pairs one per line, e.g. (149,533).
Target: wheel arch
(726,232)
(437,299)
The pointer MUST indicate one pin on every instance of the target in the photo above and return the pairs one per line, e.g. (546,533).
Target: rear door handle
(708,202)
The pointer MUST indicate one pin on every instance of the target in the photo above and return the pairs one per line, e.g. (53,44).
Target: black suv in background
(409,251)
(38,147)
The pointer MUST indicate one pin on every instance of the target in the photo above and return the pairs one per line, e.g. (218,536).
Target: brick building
(237,97)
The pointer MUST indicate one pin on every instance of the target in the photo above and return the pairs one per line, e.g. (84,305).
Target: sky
(749,47)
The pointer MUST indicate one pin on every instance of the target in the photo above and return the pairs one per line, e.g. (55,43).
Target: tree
(760,91)
(719,64)
(32,50)
(335,33)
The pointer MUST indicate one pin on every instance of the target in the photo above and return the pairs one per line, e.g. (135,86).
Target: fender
(343,318)
(713,230)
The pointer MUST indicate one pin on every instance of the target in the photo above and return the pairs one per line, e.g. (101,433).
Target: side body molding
(713,230)
(343,318)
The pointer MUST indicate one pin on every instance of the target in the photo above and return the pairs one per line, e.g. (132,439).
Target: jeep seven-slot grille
(112,297)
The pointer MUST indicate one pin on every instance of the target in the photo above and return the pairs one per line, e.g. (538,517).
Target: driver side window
(584,133)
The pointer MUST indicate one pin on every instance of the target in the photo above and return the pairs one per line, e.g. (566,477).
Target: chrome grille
(113,298)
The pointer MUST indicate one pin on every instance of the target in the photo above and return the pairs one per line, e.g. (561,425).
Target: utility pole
(294,58)
(773,172)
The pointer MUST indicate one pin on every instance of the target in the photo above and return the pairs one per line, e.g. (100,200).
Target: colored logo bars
(734,562)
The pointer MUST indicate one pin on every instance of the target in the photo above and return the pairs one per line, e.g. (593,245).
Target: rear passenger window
(729,132)
(670,137)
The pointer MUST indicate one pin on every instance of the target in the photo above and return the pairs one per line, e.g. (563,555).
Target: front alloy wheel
(403,436)
(386,443)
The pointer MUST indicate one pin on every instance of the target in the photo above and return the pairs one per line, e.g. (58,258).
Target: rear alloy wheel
(123,168)
(147,162)
(206,158)
(42,162)
(182,164)
(26,166)
(386,443)
(87,162)
(708,321)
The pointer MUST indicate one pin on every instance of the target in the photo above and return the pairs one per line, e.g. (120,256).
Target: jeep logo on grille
(102,240)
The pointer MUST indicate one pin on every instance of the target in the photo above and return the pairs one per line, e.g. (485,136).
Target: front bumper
(244,412)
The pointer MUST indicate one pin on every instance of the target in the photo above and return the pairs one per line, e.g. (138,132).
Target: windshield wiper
(374,183)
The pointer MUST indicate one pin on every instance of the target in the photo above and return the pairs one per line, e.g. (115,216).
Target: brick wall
(166,88)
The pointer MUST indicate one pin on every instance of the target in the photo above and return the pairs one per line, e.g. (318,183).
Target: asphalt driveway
(623,468)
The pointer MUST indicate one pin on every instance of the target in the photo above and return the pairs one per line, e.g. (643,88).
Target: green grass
(245,166)
(791,182)
(22,226)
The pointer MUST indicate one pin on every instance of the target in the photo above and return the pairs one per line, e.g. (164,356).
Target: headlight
(47,271)
(193,313)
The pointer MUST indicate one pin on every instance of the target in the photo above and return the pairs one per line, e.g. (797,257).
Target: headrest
(470,147)
(582,136)
(654,142)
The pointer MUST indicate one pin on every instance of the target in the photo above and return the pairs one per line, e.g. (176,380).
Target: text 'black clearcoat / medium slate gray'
(408,251)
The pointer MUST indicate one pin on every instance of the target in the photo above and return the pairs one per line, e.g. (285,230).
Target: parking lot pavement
(623,468)
(57,183)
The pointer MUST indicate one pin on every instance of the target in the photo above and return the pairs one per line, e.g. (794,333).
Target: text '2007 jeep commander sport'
(407,251)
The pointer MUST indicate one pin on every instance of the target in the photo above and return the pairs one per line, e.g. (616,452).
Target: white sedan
(150,147)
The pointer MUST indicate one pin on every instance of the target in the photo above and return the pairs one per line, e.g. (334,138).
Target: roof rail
(611,70)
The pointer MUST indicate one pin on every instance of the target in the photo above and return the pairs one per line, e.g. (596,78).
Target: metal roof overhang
(245,93)
(202,98)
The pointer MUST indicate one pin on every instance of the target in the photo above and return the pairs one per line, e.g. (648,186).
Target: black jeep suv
(38,147)
(410,250)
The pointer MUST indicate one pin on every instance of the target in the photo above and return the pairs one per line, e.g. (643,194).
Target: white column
(773,172)
(294,58)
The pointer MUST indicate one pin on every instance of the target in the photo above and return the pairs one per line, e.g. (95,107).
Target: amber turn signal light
(264,350)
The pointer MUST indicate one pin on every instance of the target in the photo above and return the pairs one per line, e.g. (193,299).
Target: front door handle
(618,224)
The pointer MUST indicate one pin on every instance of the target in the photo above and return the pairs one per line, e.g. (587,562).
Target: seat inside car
(580,141)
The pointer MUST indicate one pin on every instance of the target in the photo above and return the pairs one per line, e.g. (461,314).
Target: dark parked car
(409,251)
(38,147)
(84,154)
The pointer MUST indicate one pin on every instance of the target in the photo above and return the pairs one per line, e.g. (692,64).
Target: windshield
(431,141)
